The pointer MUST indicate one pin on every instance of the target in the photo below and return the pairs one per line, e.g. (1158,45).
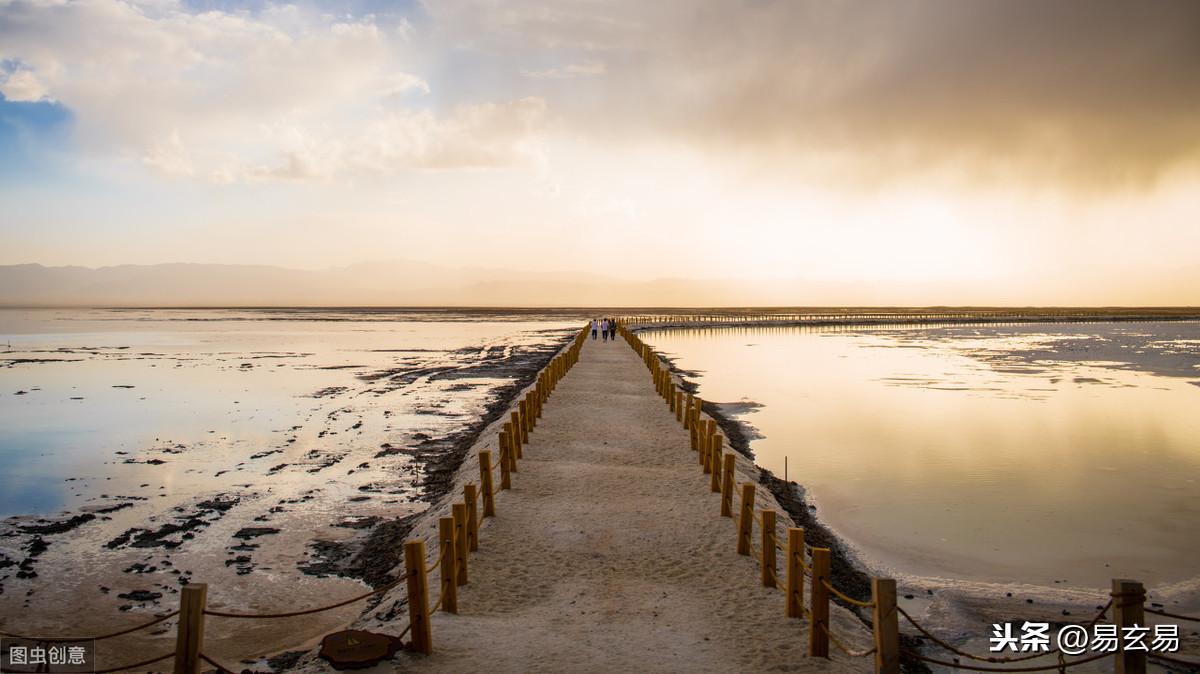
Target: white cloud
(283,93)
(471,136)
(587,69)
(22,85)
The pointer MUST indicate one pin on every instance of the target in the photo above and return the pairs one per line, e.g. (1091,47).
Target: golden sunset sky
(952,151)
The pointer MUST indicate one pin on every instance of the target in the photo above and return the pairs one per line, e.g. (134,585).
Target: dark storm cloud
(1085,90)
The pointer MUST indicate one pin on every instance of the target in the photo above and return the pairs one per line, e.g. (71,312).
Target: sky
(1045,148)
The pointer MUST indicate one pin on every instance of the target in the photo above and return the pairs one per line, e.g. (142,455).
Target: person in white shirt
(604,329)
(595,327)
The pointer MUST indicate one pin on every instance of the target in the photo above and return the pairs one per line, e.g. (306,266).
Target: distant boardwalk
(609,553)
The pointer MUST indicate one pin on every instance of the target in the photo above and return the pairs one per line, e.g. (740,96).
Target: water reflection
(1045,454)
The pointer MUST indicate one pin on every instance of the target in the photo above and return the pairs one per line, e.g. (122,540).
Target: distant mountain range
(408,283)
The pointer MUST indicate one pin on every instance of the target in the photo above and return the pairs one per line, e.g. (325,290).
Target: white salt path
(609,553)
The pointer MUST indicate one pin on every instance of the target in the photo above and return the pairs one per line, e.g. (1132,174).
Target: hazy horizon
(404,284)
(766,153)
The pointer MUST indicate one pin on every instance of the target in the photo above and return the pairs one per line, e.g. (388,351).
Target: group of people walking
(607,327)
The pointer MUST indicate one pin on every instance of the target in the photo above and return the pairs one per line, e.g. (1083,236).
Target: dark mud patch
(370,559)
(285,662)
(247,533)
(57,527)
(373,557)
(141,595)
(104,510)
(172,534)
(10,362)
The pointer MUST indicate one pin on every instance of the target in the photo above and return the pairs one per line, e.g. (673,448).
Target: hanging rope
(221,668)
(292,614)
(102,637)
(975,668)
(841,646)
(829,586)
(1172,615)
(440,557)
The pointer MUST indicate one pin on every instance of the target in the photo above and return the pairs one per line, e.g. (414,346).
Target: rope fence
(457,541)
(100,637)
(738,503)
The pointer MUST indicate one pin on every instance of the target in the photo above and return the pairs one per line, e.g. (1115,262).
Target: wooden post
(514,433)
(1129,605)
(523,406)
(469,496)
(795,573)
(449,568)
(418,596)
(679,406)
(714,483)
(727,486)
(687,411)
(671,397)
(768,548)
(505,462)
(746,521)
(460,542)
(189,635)
(886,626)
(485,483)
(818,640)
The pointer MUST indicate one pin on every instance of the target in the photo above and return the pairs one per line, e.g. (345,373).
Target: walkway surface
(609,554)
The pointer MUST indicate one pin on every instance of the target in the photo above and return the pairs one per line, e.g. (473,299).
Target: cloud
(471,136)
(21,85)
(587,69)
(285,92)
(1076,91)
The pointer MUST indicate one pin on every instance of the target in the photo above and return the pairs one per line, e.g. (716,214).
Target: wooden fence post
(189,636)
(523,413)
(1129,605)
(795,572)
(469,495)
(746,521)
(768,548)
(505,462)
(460,542)
(818,640)
(727,486)
(671,397)
(418,596)
(449,568)
(514,437)
(679,406)
(715,462)
(886,627)
(485,483)
(687,411)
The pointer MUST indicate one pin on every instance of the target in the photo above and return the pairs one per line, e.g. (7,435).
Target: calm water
(1042,453)
(89,396)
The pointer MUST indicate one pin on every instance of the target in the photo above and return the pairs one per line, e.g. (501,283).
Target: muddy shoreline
(372,558)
